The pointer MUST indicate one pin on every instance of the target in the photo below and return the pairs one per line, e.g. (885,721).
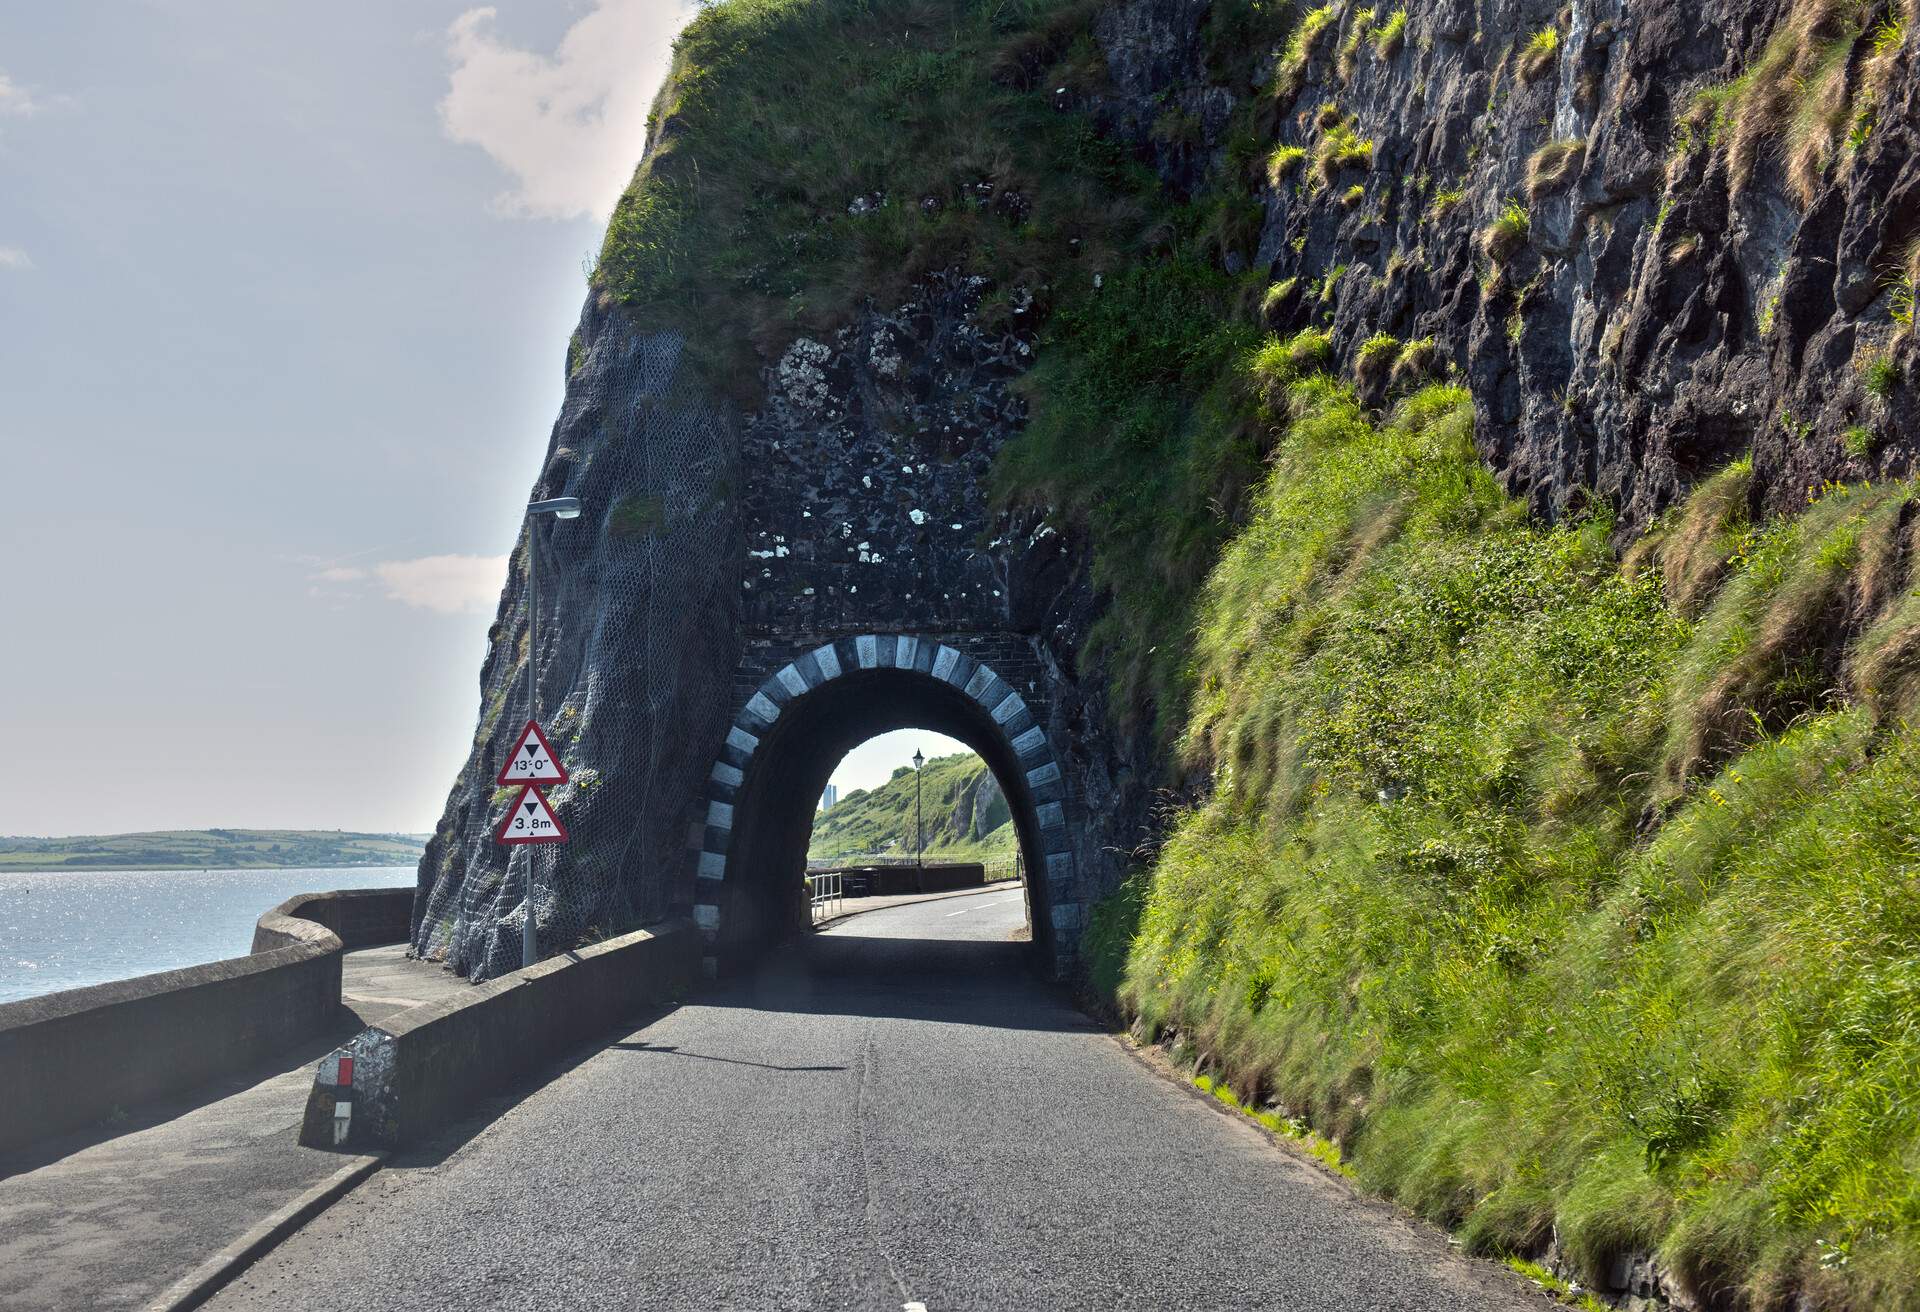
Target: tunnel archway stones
(1051,868)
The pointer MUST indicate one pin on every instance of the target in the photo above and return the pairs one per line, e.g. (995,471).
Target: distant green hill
(204,849)
(963,815)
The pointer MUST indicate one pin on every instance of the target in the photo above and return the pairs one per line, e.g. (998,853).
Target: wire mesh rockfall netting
(638,641)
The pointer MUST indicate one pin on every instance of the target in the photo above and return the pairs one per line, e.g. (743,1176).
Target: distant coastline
(209,849)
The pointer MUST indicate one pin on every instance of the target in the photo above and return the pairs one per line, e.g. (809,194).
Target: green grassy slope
(879,821)
(1567,909)
(199,849)
(1571,896)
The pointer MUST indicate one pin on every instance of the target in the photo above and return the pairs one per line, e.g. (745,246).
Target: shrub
(1881,375)
(1554,165)
(1375,357)
(1329,116)
(1357,33)
(1540,54)
(1339,148)
(1507,233)
(1888,40)
(1796,89)
(1301,46)
(1905,275)
(1413,364)
(1445,203)
(1283,163)
(1280,361)
(1390,35)
(1353,195)
(1278,297)
(1858,441)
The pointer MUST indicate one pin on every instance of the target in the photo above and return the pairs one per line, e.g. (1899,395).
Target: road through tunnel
(794,728)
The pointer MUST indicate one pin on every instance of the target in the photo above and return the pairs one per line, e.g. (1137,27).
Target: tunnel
(792,732)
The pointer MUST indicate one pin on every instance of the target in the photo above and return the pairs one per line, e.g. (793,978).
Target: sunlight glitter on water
(67,929)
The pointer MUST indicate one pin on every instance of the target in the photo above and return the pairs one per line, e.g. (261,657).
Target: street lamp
(559,508)
(919,834)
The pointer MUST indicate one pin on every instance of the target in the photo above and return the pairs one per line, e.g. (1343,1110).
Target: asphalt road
(893,1113)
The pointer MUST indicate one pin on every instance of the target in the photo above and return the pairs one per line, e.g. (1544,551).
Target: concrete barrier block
(432,1064)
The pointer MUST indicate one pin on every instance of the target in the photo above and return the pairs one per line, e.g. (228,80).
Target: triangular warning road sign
(532,760)
(531,821)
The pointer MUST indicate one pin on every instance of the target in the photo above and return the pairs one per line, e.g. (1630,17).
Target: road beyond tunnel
(892,1112)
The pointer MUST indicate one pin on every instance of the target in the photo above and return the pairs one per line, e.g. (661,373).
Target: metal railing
(825,893)
(1006,867)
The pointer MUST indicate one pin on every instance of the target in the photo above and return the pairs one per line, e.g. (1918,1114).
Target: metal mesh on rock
(638,642)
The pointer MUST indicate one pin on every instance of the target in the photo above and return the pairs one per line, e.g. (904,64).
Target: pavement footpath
(128,1216)
(115,1222)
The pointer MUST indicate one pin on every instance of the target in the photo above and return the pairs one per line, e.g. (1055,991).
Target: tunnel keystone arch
(889,681)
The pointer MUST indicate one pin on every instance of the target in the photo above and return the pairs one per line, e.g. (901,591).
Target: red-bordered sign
(530,821)
(532,760)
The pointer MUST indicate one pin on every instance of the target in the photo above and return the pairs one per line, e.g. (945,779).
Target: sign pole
(534,821)
(529,935)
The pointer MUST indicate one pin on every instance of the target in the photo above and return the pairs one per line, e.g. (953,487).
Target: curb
(210,1276)
(919,898)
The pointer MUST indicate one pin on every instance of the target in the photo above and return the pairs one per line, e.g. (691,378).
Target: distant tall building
(828,798)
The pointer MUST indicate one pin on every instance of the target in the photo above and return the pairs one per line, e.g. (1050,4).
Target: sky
(285,293)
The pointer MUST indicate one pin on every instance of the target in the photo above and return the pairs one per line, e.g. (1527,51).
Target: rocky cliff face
(1650,236)
(1647,237)
(719,542)
(639,632)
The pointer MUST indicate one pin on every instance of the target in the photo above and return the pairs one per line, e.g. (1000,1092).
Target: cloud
(341,574)
(448,585)
(569,126)
(15,100)
(12,257)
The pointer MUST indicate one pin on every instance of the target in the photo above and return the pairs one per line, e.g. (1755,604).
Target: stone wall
(75,1058)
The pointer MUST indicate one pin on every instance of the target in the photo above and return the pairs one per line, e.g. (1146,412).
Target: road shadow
(435,1149)
(986,983)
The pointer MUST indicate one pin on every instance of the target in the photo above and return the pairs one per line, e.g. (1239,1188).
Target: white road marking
(913,1307)
(961,912)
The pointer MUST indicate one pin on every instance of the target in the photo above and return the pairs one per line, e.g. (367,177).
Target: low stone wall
(432,1063)
(81,1056)
(893,880)
(358,917)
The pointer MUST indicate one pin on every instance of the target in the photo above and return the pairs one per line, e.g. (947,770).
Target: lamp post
(919,834)
(559,508)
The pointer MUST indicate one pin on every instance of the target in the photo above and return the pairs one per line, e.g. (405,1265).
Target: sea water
(63,929)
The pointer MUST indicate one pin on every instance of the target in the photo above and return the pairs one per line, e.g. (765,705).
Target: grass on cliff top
(781,118)
(1423,909)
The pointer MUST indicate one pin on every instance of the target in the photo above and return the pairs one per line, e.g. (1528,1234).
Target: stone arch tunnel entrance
(790,733)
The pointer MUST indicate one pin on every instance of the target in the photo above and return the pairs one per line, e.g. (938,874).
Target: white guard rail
(824,895)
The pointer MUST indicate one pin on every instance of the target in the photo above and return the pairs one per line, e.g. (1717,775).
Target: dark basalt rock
(1636,361)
